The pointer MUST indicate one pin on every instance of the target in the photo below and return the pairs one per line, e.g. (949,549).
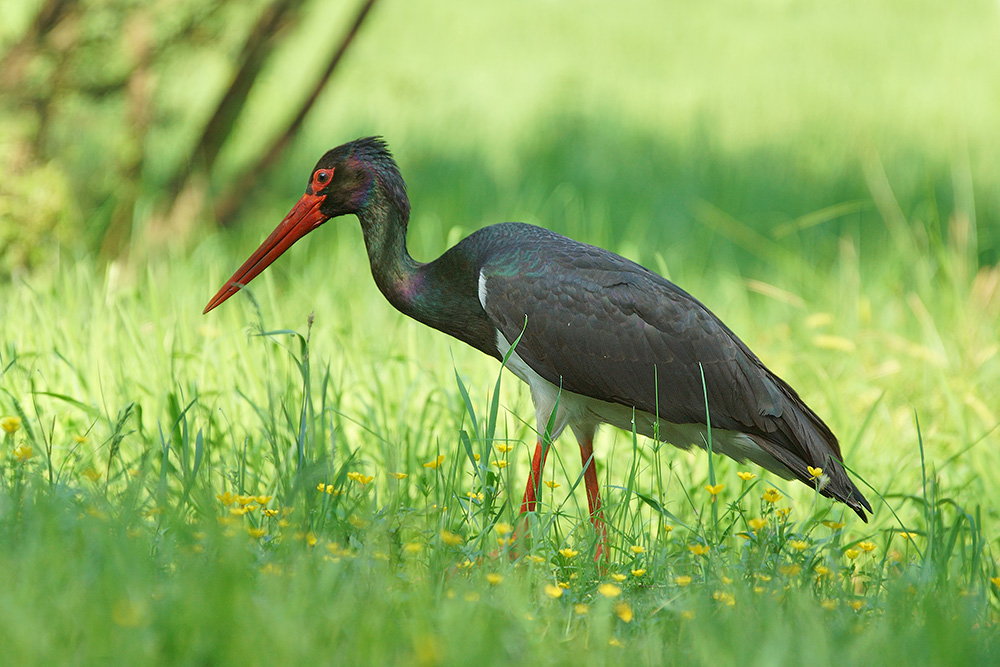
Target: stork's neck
(395,272)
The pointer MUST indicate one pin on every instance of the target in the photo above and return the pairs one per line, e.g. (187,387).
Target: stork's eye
(321,178)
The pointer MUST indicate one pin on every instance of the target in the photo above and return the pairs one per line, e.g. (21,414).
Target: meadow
(304,475)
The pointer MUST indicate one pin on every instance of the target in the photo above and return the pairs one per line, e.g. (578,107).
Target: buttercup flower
(10,424)
(436,463)
(451,539)
(609,590)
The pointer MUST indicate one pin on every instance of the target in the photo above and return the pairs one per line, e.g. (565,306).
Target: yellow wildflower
(436,463)
(725,598)
(501,464)
(687,614)
(799,545)
(568,553)
(565,584)
(360,478)
(245,500)
(699,549)
(828,604)
(867,547)
(614,641)
(553,591)
(745,476)
(771,496)
(552,484)
(638,572)
(535,558)
(618,577)
(995,581)
(726,580)
(821,570)
(757,524)
(907,535)
(23,452)
(80,438)
(834,525)
(256,532)
(475,496)
(667,529)
(851,553)
(238,511)
(503,448)
(581,609)
(413,547)
(714,489)
(10,424)
(494,578)
(609,590)
(311,538)
(624,611)
(263,500)
(451,539)
(467,564)
(783,512)
(814,472)
(637,549)
(503,528)
(270,512)
(399,475)
(790,570)
(856,604)
(91,474)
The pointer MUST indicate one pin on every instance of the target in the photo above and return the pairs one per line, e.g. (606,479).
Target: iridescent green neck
(384,229)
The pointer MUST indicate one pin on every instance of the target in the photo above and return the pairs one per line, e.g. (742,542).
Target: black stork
(601,338)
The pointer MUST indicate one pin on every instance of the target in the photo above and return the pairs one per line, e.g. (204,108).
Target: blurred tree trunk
(230,201)
(190,184)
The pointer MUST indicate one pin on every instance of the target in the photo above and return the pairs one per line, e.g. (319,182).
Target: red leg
(530,501)
(594,497)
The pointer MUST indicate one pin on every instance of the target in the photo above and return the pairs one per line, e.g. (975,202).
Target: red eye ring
(321,179)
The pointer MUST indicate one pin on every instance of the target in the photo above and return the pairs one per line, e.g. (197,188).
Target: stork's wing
(607,328)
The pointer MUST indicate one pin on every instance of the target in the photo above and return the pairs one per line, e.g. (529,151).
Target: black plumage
(591,323)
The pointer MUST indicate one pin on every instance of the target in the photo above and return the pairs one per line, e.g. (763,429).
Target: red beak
(301,220)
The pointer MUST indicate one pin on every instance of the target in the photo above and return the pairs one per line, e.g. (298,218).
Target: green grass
(836,207)
(117,546)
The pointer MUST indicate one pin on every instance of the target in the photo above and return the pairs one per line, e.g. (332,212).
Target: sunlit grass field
(186,489)
(306,476)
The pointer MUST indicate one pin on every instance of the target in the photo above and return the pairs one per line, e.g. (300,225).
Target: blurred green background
(702,131)
(823,175)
